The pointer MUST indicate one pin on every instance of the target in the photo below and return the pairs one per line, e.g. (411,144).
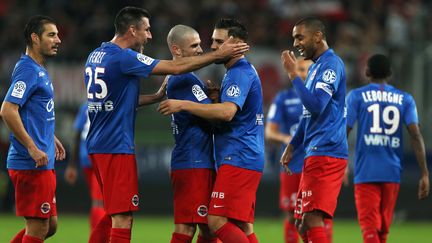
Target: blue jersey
(240,142)
(324,114)
(81,125)
(33,91)
(112,80)
(193,135)
(286,111)
(380,110)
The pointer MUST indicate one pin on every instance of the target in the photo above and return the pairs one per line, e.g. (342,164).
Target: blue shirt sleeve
(410,114)
(298,137)
(137,64)
(235,88)
(326,83)
(275,113)
(24,83)
(187,87)
(81,118)
(352,105)
(316,101)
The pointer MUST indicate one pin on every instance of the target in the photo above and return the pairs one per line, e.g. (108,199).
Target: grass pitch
(75,229)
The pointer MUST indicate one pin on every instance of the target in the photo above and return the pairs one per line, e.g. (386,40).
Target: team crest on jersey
(233,91)
(145,59)
(329,76)
(45,208)
(198,92)
(135,200)
(202,210)
(19,89)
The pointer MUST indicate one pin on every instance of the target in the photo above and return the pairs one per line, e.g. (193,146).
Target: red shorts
(375,203)
(92,183)
(320,185)
(289,185)
(34,192)
(118,180)
(234,193)
(192,191)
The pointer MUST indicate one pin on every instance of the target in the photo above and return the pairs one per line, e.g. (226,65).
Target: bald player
(192,163)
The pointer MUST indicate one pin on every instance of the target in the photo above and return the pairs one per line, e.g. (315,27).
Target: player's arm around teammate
(232,206)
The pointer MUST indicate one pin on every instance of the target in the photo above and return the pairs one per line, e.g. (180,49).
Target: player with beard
(112,74)
(28,111)
(238,138)
(321,131)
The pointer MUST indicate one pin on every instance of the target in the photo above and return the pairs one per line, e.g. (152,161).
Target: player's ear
(132,30)
(35,38)
(318,36)
(367,73)
(176,51)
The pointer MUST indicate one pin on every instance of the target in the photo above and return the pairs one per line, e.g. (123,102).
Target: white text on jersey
(96,57)
(382,96)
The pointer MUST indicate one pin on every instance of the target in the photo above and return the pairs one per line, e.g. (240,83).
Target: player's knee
(37,227)
(216,222)
(122,220)
(245,227)
(313,219)
(185,229)
(290,217)
(205,231)
(300,226)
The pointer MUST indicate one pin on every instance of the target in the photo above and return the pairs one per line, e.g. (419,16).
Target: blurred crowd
(399,28)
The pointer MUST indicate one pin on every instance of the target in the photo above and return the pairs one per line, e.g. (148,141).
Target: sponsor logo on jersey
(19,89)
(50,105)
(198,92)
(233,91)
(329,76)
(45,208)
(41,74)
(259,119)
(202,210)
(294,101)
(145,59)
(135,200)
(220,195)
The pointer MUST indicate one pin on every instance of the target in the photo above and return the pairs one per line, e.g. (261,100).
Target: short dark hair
(379,66)
(36,24)
(128,16)
(314,24)
(234,27)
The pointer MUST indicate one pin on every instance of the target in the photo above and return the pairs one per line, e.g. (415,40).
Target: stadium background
(401,29)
